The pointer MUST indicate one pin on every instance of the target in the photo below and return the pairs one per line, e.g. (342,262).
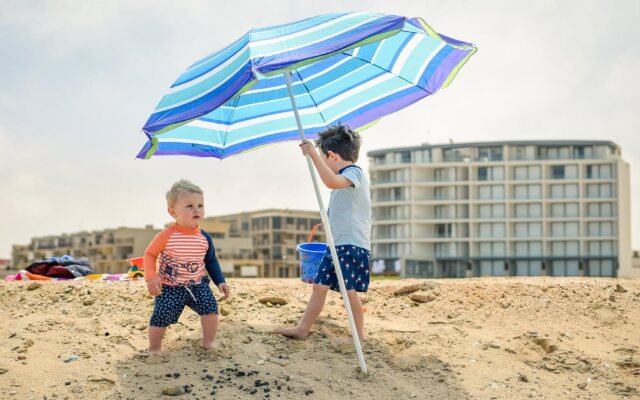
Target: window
(527,229)
(564,248)
(600,210)
(568,191)
(443,230)
(491,249)
(604,228)
(601,248)
(527,192)
(600,190)
(599,171)
(566,229)
(532,210)
(557,172)
(490,153)
(528,249)
(482,173)
(491,211)
(486,230)
(564,210)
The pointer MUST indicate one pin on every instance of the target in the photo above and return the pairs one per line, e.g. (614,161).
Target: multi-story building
(274,234)
(557,208)
(108,250)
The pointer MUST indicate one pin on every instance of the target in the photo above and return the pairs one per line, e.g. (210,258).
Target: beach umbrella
(292,81)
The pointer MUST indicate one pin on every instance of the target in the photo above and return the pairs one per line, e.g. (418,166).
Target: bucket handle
(313,231)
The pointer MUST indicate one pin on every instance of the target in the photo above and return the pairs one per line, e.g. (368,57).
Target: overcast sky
(79,79)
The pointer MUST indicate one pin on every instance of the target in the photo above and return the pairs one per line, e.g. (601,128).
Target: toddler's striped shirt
(178,254)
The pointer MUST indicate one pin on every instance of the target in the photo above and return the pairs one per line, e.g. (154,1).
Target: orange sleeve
(158,243)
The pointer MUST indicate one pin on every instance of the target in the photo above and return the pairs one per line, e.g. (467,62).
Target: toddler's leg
(358,312)
(209,324)
(156,333)
(314,308)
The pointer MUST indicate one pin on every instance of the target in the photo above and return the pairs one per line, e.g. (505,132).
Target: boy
(184,254)
(350,219)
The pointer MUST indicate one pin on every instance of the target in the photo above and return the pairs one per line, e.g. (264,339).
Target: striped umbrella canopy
(349,68)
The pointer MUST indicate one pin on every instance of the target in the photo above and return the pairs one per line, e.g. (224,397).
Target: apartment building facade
(274,234)
(108,250)
(557,208)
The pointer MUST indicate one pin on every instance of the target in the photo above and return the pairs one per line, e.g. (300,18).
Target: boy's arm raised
(329,178)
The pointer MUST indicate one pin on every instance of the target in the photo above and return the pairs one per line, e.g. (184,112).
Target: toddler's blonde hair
(182,185)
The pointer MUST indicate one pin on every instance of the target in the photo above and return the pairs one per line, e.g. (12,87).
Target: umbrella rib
(387,71)
(226,133)
(311,96)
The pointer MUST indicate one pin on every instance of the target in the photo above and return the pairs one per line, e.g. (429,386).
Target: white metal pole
(327,226)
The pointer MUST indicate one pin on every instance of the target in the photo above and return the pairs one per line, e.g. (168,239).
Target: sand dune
(516,338)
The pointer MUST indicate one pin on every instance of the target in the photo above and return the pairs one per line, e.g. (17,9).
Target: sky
(79,79)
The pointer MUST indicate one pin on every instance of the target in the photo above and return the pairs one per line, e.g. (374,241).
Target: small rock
(422,298)
(173,391)
(88,302)
(407,289)
(34,285)
(3,370)
(71,358)
(273,300)
(612,298)
(523,378)
(260,362)
(582,385)
(620,288)
(224,311)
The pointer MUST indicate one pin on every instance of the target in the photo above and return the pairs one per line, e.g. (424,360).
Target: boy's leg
(209,324)
(156,333)
(358,312)
(314,308)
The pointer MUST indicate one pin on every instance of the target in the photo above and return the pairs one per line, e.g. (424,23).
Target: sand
(491,338)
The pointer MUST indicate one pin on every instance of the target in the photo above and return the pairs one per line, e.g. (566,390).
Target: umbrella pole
(325,222)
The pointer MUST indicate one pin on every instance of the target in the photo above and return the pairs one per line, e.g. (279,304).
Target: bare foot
(155,352)
(293,333)
(210,345)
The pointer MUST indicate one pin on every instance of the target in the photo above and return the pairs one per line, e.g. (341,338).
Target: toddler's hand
(307,148)
(153,285)
(224,289)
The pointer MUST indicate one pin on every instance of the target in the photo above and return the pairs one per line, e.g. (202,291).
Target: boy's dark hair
(341,140)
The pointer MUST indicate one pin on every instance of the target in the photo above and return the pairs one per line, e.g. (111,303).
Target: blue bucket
(311,255)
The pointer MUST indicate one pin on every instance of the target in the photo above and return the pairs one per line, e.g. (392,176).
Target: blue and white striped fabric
(347,68)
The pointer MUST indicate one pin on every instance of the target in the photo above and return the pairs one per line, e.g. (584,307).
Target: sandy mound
(448,339)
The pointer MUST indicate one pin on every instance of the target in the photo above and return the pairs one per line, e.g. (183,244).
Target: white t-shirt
(350,210)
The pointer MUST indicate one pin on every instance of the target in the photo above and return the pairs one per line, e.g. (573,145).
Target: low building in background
(107,250)
(251,244)
(521,208)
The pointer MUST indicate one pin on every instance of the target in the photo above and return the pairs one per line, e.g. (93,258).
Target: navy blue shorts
(169,305)
(354,262)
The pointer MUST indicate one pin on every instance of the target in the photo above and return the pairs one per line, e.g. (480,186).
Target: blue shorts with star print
(168,307)
(354,262)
